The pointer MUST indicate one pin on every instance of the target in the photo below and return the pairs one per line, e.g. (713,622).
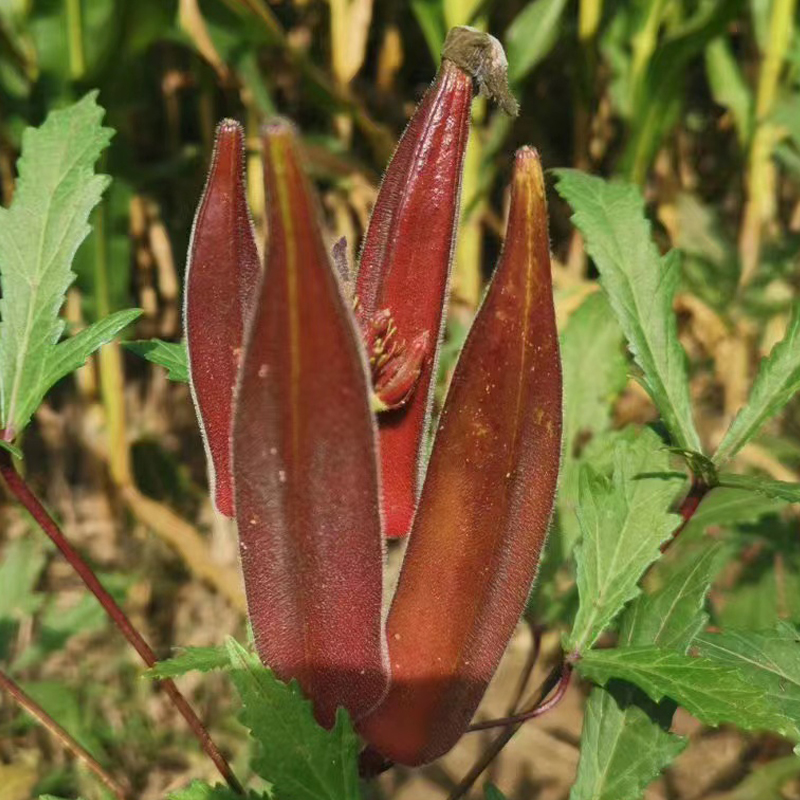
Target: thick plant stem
(43,718)
(31,503)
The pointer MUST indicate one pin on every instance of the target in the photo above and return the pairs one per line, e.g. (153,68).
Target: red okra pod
(405,262)
(222,273)
(305,465)
(486,503)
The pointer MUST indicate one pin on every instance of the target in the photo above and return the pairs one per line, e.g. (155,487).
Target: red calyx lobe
(486,503)
(404,271)
(221,277)
(307,504)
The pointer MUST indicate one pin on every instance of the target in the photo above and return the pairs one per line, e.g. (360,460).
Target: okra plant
(313,381)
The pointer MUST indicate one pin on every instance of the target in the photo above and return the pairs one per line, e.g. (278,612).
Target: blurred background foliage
(698,101)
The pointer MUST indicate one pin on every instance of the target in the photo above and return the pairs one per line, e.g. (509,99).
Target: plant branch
(31,503)
(41,716)
(494,749)
(530,662)
(538,711)
(697,491)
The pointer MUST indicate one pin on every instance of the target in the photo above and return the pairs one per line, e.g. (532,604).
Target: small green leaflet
(491,792)
(300,759)
(640,285)
(591,337)
(768,487)
(189,659)
(166,354)
(709,688)
(626,741)
(778,380)
(200,790)
(39,234)
(623,522)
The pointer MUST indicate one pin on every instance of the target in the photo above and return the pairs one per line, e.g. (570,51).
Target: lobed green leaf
(592,337)
(640,285)
(623,523)
(301,760)
(626,740)
(715,690)
(39,234)
(625,743)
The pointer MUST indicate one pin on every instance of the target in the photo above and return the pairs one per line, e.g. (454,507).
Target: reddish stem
(538,711)
(468,781)
(28,499)
(533,656)
(697,491)
(38,713)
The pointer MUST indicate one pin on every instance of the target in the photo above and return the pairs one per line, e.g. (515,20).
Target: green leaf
(39,234)
(728,86)
(709,688)
(725,507)
(768,661)
(201,659)
(200,790)
(659,97)
(591,337)
(778,380)
(299,758)
(20,570)
(640,285)
(491,792)
(625,743)
(623,522)
(767,585)
(73,352)
(165,354)
(531,36)
(430,18)
(673,614)
(15,451)
(768,487)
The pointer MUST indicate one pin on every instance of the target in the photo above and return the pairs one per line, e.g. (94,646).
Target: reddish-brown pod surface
(305,465)
(222,273)
(486,503)
(405,262)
